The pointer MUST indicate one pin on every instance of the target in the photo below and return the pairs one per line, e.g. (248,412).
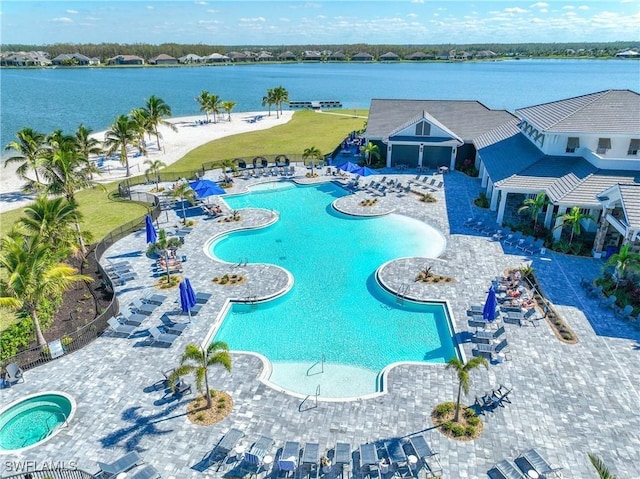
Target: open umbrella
(490,305)
(348,167)
(205,188)
(365,171)
(150,230)
(187,297)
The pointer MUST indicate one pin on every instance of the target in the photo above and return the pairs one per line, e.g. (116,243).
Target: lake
(59,98)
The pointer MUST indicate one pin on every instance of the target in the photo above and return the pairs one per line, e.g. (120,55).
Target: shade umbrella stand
(150,230)
(490,306)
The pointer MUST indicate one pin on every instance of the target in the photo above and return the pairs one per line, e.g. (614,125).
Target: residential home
(125,60)
(362,57)
(27,59)
(336,57)
(71,59)
(582,151)
(417,57)
(485,54)
(389,57)
(444,56)
(287,57)
(264,57)
(163,59)
(94,61)
(239,57)
(311,56)
(216,58)
(191,58)
(628,54)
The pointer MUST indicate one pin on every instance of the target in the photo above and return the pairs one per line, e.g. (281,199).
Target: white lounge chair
(122,464)
(162,338)
(119,328)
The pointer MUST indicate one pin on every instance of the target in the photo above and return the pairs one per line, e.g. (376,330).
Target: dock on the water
(315,105)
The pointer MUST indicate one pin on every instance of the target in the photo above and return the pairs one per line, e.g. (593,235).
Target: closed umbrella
(190,292)
(150,230)
(490,306)
(187,298)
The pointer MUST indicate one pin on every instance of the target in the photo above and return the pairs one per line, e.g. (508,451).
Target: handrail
(321,362)
(52,473)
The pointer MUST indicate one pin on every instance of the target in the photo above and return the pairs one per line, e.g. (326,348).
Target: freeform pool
(32,420)
(336,311)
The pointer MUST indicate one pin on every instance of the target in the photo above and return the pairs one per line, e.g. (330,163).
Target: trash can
(611,250)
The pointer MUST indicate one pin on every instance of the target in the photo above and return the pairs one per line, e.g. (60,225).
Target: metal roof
(467,119)
(506,158)
(507,130)
(605,112)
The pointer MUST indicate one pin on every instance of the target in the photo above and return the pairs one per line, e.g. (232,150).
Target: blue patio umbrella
(205,188)
(150,230)
(365,171)
(490,306)
(187,297)
(348,167)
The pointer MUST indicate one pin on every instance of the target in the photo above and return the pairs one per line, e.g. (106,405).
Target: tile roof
(585,194)
(609,111)
(507,157)
(630,193)
(504,131)
(467,119)
(428,118)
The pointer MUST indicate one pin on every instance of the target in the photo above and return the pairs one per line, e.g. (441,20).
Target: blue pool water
(32,420)
(335,308)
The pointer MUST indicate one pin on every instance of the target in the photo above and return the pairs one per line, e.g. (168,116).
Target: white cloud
(283,19)
(568,7)
(583,7)
(149,7)
(321,17)
(253,19)
(515,10)
(62,20)
(417,1)
(412,15)
(72,12)
(540,5)
(211,10)
(202,3)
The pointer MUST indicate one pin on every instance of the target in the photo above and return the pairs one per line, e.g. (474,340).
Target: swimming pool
(33,419)
(335,310)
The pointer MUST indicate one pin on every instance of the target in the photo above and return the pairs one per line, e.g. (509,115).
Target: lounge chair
(369,461)
(428,458)
(608,302)
(253,460)
(470,221)
(625,313)
(162,338)
(479,226)
(342,455)
(525,242)
(534,248)
(488,350)
(222,450)
(122,464)
(288,461)
(397,457)
(131,319)
(502,394)
(147,472)
(595,292)
(531,459)
(172,327)
(513,239)
(309,464)
(13,374)
(119,328)
(137,306)
(505,470)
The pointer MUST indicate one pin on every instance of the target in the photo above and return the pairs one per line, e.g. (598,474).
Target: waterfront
(49,99)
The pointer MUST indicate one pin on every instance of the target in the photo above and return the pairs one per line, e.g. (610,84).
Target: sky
(275,22)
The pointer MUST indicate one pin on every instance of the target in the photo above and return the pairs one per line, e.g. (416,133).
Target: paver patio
(567,400)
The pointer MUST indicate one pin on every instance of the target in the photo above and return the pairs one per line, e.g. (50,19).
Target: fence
(53,473)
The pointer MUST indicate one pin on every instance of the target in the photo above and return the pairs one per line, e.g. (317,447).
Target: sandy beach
(173,146)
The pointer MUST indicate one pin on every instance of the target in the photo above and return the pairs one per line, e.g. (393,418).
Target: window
(604,144)
(423,129)
(634,146)
(573,143)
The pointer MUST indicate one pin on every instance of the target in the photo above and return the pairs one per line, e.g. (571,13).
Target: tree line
(147,51)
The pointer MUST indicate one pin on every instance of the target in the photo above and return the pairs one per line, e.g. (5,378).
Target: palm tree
(622,260)
(157,109)
(183,192)
(141,124)
(534,206)
(197,360)
(154,170)
(314,154)
(214,105)
(228,106)
(32,277)
(203,101)
(30,147)
(87,146)
(462,371)
(119,136)
(574,218)
(600,467)
(370,151)
(53,220)
(268,99)
(281,95)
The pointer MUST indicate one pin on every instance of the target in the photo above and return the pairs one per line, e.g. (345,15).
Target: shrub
(470,431)
(444,409)
(563,246)
(428,198)
(457,430)
(200,416)
(447,426)
(473,421)
(481,201)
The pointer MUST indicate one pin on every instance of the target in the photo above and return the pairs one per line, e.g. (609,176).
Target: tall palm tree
(370,151)
(622,260)
(183,192)
(30,146)
(86,146)
(32,277)
(214,105)
(53,220)
(197,361)
(268,99)
(203,101)
(118,137)
(574,219)
(157,110)
(314,154)
(462,371)
(227,106)
(228,165)
(154,170)
(141,125)
(281,95)
(57,139)
(534,206)
(600,467)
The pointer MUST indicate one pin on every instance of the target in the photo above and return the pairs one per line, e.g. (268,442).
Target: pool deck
(567,400)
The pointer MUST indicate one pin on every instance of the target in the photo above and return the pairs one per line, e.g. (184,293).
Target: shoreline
(173,146)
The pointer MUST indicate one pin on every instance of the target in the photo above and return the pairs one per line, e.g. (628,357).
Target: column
(420,154)
(601,234)
(493,194)
(484,174)
(549,215)
(557,228)
(503,204)
(389,150)
(452,163)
